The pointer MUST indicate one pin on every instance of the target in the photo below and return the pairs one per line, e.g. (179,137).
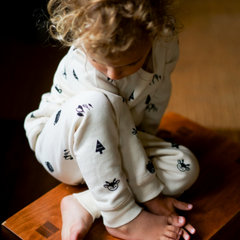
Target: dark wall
(28,63)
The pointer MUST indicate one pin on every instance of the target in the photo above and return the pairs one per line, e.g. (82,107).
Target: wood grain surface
(215,195)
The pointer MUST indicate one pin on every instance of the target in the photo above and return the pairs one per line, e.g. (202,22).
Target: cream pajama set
(92,129)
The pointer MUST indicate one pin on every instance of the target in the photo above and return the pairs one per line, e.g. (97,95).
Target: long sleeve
(157,101)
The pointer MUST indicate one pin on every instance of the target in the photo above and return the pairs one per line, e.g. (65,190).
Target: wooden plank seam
(47,229)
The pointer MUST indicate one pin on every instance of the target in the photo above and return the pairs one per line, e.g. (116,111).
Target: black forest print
(113,186)
(134,132)
(57,117)
(131,96)
(59,90)
(80,109)
(151,107)
(99,148)
(75,75)
(148,100)
(66,155)
(64,73)
(49,166)
(150,167)
(155,78)
(182,166)
(109,80)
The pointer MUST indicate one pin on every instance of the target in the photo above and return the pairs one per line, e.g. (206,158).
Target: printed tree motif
(67,156)
(131,96)
(151,107)
(64,73)
(100,148)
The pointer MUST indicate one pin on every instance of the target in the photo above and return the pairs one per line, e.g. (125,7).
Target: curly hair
(109,27)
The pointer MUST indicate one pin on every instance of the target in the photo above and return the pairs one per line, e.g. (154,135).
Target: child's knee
(92,103)
(180,174)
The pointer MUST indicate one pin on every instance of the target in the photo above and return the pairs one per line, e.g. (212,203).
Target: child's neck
(148,64)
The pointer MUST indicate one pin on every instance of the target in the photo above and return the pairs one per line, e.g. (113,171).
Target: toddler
(98,123)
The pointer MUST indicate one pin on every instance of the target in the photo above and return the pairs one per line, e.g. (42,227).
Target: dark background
(28,62)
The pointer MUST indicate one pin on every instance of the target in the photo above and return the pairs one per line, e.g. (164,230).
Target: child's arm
(159,99)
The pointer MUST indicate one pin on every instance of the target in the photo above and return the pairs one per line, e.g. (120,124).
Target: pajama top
(146,95)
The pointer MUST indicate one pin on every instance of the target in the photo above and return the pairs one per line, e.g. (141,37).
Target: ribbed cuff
(148,190)
(121,215)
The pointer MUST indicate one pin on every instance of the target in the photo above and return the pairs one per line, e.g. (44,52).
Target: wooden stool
(215,195)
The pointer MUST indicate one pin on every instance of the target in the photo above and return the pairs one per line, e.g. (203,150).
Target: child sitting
(98,123)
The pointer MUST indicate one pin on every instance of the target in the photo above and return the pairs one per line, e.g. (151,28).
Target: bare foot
(148,226)
(76,219)
(162,205)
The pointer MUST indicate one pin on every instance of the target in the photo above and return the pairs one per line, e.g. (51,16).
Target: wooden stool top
(215,195)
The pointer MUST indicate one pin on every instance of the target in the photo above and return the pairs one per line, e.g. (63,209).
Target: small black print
(64,73)
(134,132)
(59,90)
(99,148)
(148,100)
(57,117)
(151,107)
(109,79)
(50,168)
(150,167)
(182,166)
(157,77)
(80,109)
(113,185)
(131,96)
(32,116)
(175,145)
(67,156)
(74,74)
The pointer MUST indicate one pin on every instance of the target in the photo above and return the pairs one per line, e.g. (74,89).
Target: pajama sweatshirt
(87,128)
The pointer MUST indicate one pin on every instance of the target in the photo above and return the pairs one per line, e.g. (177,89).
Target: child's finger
(182,205)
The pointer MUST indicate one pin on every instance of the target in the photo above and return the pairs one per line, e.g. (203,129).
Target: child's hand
(162,205)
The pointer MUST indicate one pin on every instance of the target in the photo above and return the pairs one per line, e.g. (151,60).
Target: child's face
(129,62)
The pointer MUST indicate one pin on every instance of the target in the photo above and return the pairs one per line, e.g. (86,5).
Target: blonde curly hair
(109,27)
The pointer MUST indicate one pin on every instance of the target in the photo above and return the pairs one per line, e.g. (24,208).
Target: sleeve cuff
(87,201)
(121,215)
(148,189)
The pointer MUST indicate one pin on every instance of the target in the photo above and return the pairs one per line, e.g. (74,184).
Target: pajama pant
(92,138)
